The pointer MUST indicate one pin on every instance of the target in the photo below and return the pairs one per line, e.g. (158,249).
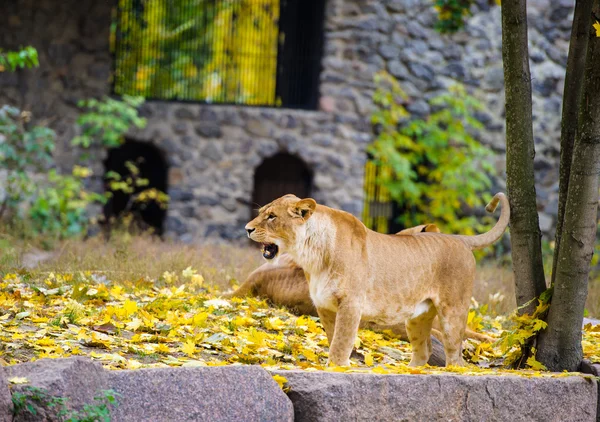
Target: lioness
(355,273)
(284,283)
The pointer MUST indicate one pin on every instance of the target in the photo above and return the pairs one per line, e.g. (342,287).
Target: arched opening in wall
(135,174)
(279,175)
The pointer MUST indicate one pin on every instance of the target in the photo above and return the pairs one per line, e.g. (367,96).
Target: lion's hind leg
(453,322)
(418,327)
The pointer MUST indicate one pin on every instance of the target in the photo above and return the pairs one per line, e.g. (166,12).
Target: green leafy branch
(107,121)
(12,60)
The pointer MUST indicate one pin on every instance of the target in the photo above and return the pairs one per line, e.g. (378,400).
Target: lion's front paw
(338,362)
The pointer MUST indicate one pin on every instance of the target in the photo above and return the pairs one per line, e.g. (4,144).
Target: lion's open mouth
(270,250)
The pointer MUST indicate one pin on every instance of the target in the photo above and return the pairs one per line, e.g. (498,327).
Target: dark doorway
(147,215)
(300,52)
(277,176)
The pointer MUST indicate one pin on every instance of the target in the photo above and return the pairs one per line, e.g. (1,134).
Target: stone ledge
(321,396)
(239,393)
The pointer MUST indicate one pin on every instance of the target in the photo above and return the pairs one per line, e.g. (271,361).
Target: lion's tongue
(270,250)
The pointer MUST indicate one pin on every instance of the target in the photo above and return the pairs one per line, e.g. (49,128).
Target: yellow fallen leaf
(18,380)
(597,28)
(189,348)
(130,307)
(134,324)
(282,381)
(274,324)
(369,359)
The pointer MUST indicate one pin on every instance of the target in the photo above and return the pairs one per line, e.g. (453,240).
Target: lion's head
(277,223)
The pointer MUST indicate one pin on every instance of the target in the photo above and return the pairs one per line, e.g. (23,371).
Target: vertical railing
(378,205)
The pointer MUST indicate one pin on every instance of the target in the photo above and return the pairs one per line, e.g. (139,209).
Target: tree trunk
(570,108)
(524,223)
(559,346)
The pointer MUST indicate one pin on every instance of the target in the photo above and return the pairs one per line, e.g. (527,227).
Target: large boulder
(322,396)
(228,393)
(77,379)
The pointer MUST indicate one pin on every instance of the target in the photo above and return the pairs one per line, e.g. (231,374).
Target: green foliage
(437,167)
(24,402)
(107,121)
(131,185)
(22,150)
(13,60)
(59,207)
(53,206)
(452,14)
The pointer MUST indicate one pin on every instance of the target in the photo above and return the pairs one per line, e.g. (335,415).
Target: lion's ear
(303,208)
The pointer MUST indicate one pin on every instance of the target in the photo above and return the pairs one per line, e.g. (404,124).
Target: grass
(127,257)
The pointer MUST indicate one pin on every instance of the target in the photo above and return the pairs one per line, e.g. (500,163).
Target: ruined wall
(213,150)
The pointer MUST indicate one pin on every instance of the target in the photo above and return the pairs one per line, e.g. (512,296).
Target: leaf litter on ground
(179,320)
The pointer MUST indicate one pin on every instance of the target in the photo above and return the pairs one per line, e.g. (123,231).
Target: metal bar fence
(250,52)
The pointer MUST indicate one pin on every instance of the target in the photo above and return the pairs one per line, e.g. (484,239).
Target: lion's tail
(482,240)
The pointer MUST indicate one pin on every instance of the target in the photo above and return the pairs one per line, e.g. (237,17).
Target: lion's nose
(249,230)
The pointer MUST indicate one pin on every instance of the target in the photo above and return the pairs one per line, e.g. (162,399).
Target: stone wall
(213,150)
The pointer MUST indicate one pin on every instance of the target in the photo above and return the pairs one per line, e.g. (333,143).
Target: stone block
(6,406)
(230,393)
(77,379)
(321,396)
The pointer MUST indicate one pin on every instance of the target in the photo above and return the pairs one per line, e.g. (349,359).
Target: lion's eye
(271,217)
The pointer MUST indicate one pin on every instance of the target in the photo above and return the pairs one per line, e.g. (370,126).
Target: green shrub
(52,206)
(58,209)
(23,151)
(437,169)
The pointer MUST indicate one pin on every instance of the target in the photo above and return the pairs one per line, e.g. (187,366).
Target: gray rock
(6,405)
(389,51)
(207,200)
(233,393)
(494,78)
(258,128)
(288,143)
(402,5)
(209,114)
(332,396)
(184,113)
(175,225)
(419,108)
(422,71)
(397,69)
(211,152)
(78,379)
(180,128)
(454,70)
(546,222)
(322,140)
(208,130)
